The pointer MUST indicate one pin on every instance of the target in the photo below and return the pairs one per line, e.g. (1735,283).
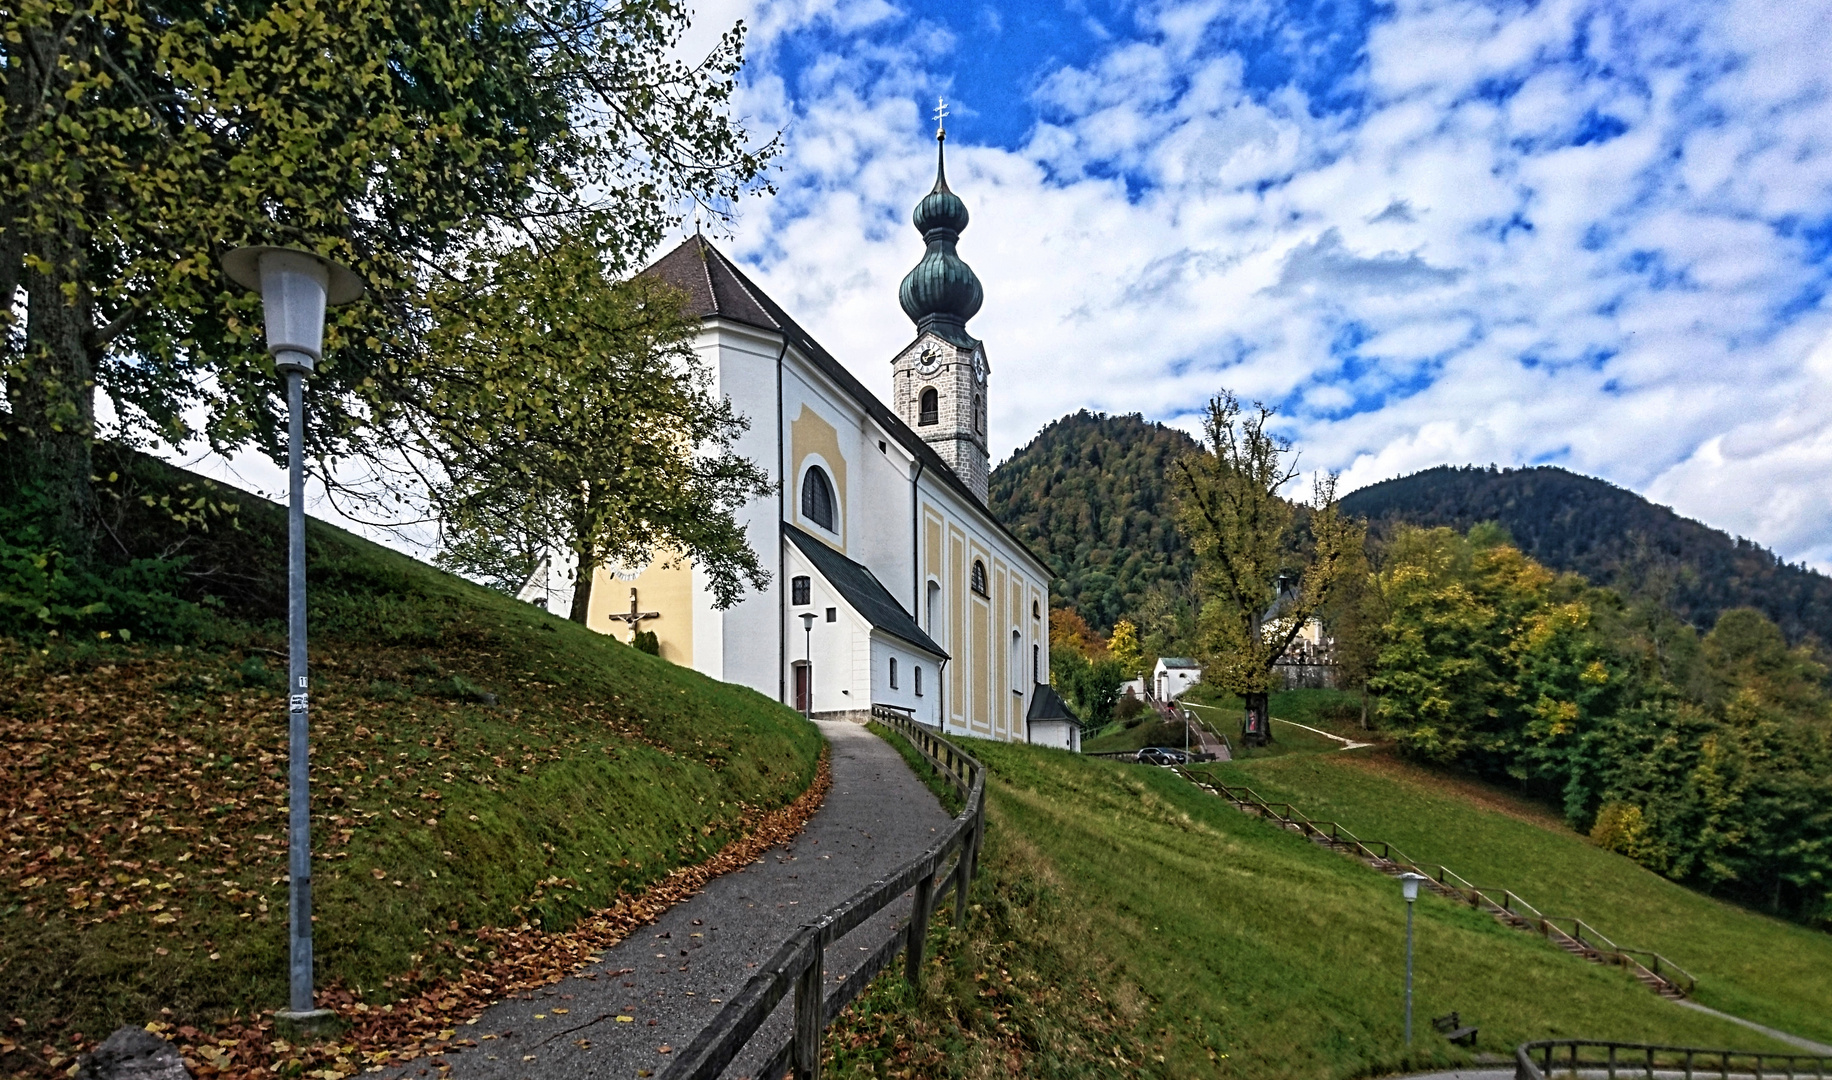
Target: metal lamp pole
(807,618)
(1409,888)
(295,286)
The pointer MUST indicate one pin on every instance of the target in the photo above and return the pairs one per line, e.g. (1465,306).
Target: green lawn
(1749,964)
(478,765)
(1134,924)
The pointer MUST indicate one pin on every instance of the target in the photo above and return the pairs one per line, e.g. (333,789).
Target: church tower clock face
(979,366)
(929,362)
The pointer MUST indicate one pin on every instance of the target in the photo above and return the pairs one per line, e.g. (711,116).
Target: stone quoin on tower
(940,379)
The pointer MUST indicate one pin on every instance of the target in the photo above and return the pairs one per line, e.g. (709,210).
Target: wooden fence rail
(1571,934)
(1587,1058)
(798,966)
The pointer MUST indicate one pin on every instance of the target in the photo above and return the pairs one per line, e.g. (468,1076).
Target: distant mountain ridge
(1613,537)
(1091,494)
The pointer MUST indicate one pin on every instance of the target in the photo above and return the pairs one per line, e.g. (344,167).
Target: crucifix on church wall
(635,615)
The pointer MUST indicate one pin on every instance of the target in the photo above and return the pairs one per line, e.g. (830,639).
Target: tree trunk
(582,580)
(50,387)
(52,390)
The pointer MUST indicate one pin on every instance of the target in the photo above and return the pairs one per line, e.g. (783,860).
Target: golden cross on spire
(941,111)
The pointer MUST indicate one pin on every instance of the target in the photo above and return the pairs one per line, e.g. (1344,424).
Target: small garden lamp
(295,286)
(1409,888)
(807,618)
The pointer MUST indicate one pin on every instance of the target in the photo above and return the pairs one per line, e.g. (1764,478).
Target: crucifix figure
(635,616)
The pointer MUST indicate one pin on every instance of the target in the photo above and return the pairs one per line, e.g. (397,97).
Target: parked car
(1162,755)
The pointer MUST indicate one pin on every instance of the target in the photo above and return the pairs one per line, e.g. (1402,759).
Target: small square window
(798,589)
(833,614)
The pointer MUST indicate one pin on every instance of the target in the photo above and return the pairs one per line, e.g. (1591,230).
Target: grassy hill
(1128,923)
(484,775)
(1611,536)
(1749,964)
(1091,494)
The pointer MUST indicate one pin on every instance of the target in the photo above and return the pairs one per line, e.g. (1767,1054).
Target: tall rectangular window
(893,673)
(798,590)
(1037,664)
(918,680)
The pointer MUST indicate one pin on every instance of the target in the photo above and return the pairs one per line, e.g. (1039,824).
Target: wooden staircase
(1573,935)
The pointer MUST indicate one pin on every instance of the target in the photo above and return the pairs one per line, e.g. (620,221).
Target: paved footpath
(672,977)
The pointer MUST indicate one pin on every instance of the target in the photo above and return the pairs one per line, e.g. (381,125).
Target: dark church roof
(716,288)
(863,592)
(1047,705)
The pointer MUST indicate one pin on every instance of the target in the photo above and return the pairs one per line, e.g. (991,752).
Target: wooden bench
(1453,1029)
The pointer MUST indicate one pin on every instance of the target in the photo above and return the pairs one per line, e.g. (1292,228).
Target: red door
(804,688)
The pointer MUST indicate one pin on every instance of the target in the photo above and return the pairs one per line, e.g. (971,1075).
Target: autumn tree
(140,140)
(1241,529)
(573,414)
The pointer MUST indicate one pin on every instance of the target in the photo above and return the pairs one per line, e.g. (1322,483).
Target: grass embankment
(482,771)
(1770,971)
(1132,924)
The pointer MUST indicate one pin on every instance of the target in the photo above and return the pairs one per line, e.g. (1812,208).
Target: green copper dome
(941,293)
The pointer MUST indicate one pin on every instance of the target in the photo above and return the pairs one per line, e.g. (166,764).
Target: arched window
(1017,686)
(817,498)
(930,411)
(1036,612)
(932,608)
(979,425)
(978,580)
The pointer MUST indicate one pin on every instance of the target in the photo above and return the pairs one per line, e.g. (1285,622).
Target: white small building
(1172,675)
(1050,723)
(1133,688)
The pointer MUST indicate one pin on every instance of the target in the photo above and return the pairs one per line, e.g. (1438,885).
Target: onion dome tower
(940,378)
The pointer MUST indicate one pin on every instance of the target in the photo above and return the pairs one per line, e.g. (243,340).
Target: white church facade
(892,583)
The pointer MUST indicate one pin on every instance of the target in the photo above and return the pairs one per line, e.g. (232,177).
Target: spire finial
(941,112)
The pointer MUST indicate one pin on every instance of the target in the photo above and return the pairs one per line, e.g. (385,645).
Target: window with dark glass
(798,590)
(930,411)
(833,614)
(893,673)
(978,581)
(817,498)
(1037,664)
(918,680)
(979,425)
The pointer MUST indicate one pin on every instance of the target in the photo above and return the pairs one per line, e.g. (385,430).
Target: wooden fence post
(810,1009)
(918,930)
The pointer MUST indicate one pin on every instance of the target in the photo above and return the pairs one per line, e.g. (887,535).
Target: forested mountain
(1091,494)
(1611,536)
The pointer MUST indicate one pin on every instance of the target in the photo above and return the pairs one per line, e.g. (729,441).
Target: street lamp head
(807,618)
(1409,885)
(295,286)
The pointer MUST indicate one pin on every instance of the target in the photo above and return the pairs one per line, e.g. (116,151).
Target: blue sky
(1594,235)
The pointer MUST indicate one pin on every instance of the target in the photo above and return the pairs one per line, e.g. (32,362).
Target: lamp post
(295,286)
(807,618)
(1409,888)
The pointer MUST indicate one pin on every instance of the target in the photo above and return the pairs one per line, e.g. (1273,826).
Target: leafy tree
(1070,631)
(139,141)
(1240,529)
(1126,650)
(574,414)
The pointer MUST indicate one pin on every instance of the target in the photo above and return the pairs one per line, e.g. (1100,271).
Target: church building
(892,584)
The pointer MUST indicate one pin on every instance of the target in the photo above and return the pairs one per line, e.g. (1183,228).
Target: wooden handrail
(1503,901)
(798,965)
(1590,1057)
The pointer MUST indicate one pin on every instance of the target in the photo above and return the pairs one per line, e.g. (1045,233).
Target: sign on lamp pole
(295,286)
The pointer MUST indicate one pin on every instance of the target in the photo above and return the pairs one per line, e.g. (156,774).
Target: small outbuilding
(1172,675)
(1050,723)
